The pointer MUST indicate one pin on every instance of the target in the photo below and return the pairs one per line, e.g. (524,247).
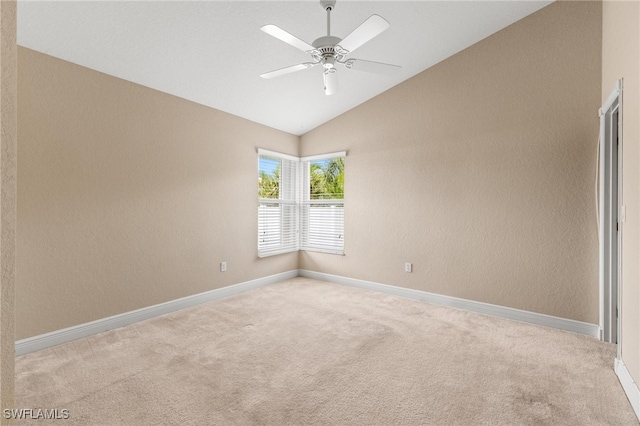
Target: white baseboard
(592,330)
(58,337)
(629,385)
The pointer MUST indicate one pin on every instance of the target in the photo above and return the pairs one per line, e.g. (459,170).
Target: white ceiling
(212,52)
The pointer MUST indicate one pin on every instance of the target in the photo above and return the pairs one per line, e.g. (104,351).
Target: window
(277,203)
(322,212)
(300,203)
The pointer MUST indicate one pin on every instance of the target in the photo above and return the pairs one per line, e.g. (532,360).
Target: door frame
(611,216)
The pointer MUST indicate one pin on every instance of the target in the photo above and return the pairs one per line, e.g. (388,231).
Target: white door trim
(609,207)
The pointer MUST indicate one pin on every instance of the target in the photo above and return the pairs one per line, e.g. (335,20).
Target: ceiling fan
(331,50)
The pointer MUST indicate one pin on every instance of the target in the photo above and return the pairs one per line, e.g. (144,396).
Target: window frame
(288,198)
(328,236)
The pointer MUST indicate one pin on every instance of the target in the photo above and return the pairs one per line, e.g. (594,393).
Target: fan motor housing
(326,41)
(326,51)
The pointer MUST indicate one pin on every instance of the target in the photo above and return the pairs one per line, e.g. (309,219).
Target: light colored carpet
(307,352)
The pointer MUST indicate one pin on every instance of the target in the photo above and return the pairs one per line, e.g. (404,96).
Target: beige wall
(481,171)
(128,197)
(8,163)
(621,59)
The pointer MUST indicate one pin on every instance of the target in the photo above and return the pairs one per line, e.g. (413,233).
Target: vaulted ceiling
(213,52)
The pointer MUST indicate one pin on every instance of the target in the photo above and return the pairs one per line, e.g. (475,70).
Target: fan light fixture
(329,50)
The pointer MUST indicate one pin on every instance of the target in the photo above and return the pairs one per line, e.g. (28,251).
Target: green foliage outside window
(269,184)
(326,180)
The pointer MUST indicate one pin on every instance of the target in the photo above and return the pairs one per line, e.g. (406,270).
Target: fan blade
(288,38)
(370,28)
(330,82)
(287,70)
(373,67)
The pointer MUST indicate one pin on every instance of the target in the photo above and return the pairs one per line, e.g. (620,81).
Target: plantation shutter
(322,207)
(278,203)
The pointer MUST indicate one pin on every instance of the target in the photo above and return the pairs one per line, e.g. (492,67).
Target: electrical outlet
(223,266)
(408,267)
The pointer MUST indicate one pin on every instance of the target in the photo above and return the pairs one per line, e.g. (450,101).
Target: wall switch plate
(223,266)
(408,267)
